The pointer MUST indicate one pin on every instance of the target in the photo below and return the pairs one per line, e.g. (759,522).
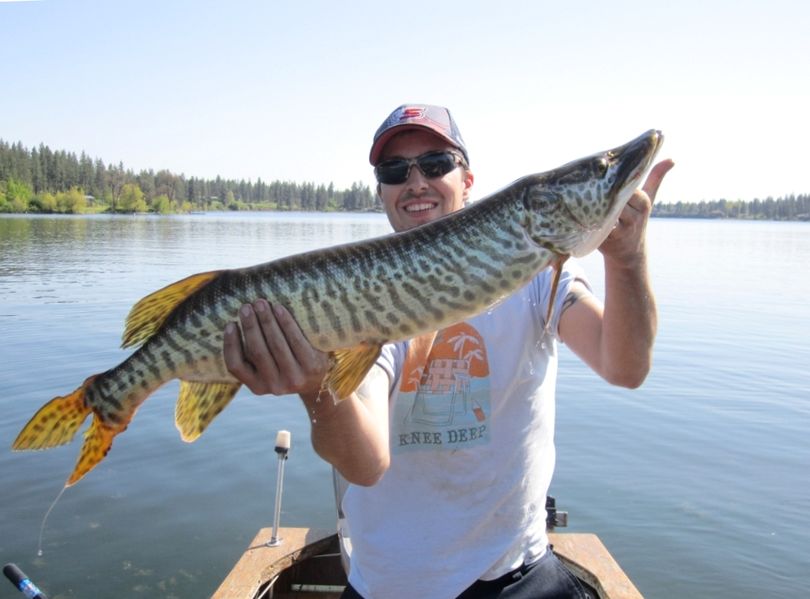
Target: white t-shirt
(472,453)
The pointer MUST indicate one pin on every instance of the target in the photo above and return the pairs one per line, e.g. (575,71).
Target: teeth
(419,207)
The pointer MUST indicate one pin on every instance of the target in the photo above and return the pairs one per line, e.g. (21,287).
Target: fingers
(266,342)
(247,356)
(302,351)
(640,203)
(656,176)
(275,355)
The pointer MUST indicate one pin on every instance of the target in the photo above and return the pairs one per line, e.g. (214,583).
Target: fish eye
(602,166)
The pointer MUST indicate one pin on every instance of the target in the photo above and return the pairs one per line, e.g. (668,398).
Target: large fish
(349,300)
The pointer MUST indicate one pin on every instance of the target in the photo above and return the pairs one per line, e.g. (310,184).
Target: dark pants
(547,578)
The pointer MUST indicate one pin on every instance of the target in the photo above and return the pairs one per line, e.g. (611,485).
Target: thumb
(655,178)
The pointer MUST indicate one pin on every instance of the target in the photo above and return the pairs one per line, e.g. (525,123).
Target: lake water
(699,482)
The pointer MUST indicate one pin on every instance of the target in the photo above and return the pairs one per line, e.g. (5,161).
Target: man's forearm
(352,434)
(630,323)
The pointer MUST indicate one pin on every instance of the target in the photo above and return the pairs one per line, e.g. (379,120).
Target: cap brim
(379,143)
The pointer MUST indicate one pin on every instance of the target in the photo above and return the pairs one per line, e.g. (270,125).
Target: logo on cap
(412,113)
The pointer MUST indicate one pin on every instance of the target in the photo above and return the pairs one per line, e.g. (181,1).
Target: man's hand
(625,244)
(276,356)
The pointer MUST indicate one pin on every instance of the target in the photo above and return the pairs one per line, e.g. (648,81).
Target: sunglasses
(432,164)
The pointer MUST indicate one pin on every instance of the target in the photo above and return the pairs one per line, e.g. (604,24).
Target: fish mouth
(636,156)
(633,159)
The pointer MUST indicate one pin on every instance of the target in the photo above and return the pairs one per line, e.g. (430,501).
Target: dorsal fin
(149,314)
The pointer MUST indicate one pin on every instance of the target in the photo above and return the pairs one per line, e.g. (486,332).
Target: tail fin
(58,421)
(97,442)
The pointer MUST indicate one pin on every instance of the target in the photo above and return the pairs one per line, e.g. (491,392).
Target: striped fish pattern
(348,300)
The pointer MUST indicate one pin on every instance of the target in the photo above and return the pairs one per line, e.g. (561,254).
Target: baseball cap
(436,119)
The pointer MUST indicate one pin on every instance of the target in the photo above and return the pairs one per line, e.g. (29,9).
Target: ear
(468,181)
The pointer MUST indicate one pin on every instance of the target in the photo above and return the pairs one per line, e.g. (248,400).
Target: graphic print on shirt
(444,396)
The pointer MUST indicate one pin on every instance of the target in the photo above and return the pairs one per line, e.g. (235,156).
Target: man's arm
(616,340)
(276,358)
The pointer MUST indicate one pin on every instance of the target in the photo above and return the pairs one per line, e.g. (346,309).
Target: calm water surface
(699,482)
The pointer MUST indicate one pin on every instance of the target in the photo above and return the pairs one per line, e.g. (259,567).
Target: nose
(416,180)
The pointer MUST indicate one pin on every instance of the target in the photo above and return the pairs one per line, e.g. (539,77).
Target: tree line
(792,207)
(44,180)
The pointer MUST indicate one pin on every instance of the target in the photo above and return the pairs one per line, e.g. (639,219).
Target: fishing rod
(20,580)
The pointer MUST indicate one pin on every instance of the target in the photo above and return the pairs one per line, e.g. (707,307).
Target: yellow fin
(56,423)
(557,266)
(419,348)
(149,314)
(349,368)
(198,404)
(97,442)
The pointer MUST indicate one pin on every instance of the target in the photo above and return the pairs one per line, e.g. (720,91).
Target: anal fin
(198,404)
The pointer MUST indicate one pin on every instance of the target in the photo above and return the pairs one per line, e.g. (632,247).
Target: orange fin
(149,314)
(349,368)
(97,442)
(419,347)
(558,266)
(56,423)
(198,404)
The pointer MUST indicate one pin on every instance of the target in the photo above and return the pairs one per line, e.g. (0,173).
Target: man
(448,443)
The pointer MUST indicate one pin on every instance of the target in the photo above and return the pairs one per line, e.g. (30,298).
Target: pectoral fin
(198,404)
(557,266)
(349,368)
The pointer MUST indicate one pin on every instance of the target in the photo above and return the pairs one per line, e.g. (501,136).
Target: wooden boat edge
(590,561)
(583,553)
(261,563)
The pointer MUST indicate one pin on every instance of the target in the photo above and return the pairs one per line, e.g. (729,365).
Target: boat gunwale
(260,564)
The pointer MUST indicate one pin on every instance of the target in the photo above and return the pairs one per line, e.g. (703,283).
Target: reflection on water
(680,478)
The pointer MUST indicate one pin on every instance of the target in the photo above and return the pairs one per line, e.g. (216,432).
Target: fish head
(572,209)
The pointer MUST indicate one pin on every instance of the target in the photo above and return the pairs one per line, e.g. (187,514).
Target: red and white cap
(435,119)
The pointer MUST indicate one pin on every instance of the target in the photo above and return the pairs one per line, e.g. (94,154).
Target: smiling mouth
(420,207)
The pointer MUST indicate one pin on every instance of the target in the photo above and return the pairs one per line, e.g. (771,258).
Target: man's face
(419,199)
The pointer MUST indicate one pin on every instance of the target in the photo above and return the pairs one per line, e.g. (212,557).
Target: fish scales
(348,300)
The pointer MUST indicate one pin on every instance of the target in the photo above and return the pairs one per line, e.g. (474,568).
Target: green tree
(71,202)
(18,194)
(131,199)
(230,201)
(43,202)
(162,204)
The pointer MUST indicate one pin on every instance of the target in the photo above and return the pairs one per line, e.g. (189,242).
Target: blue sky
(293,90)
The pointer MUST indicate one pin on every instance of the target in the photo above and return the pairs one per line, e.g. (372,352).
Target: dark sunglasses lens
(432,165)
(392,172)
(436,165)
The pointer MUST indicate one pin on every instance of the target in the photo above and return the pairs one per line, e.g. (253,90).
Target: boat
(307,563)
(286,563)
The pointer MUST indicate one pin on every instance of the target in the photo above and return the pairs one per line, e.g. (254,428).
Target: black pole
(22,582)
